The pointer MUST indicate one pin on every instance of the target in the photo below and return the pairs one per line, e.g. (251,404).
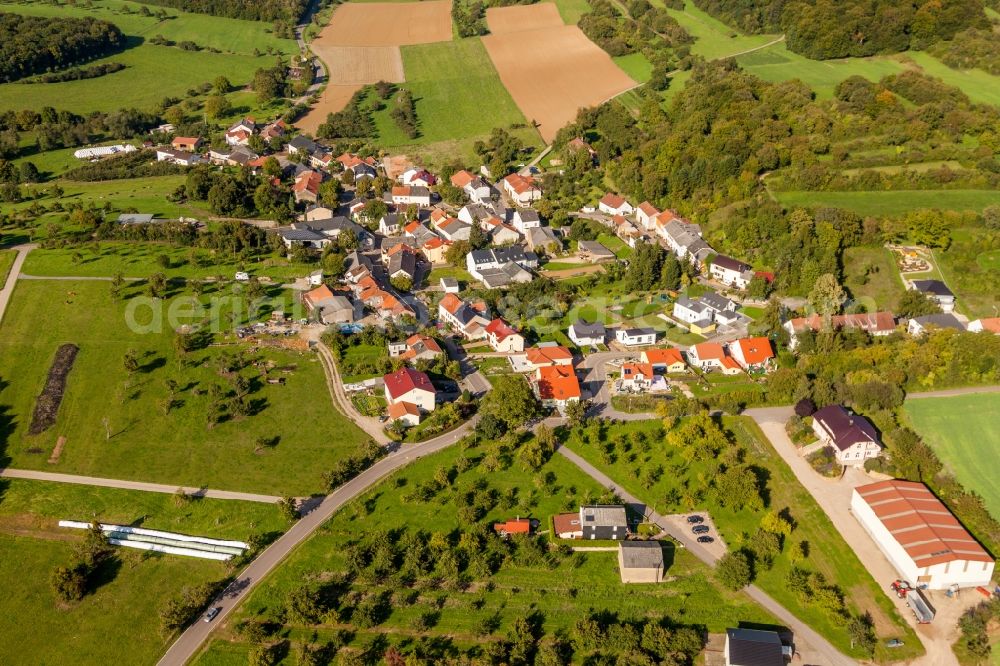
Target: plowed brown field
(550,69)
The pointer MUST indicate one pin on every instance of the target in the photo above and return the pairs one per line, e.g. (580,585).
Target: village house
(594,252)
(604,521)
(453,229)
(627,231)
(401,263)
(321,159)
(419,177)
(640,561)
(275,130)
(754,647)
(557,386)
(450,285)
(635,337)
(503,337)
(477,214)
(682,238)
(239,134)
(416,348)
(613,204)
(645,215)
(360,167)
(406,195)
(936,290)
(753,354)
(639,377)
(543,355)
(178,157)
(567,525)
(920,325)
(500,233)
(405,412)
(708,356)
(730,272)
(391,224)
(853,437)
(584,334)
(136,218)
(920,537)
(409,385)
(303,237)
(330,308)
(186,143)
(515,526)
(306,187)
(502,266)
(524,219)
(434,250)
(988,325)
(667,360)
(873,323)
(477,189)
(543,239)
(699,317)
(522,189)
(468,319)
(333,227)
(302,144)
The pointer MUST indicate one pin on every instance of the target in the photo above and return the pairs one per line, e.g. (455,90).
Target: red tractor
(901,588)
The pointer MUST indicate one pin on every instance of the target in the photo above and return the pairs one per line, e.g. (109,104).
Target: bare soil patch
(551,72)
(518,18)
(47,405)
(333,99)
(387,24)
(358,65)
(396,165)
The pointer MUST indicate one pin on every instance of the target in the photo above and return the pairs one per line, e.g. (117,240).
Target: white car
(242,276)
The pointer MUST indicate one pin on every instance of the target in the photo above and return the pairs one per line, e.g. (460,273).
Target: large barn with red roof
(920,536)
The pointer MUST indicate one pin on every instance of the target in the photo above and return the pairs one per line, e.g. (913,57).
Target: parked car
(695,519)
(700,529)
(705,539)
(895,642)
(211,614)
(242,276)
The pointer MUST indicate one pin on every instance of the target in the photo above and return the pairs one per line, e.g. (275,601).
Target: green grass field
(714,39)
(459,99)
(892,202)
(572,10)
(145,444)
(152,72)
(963,431)
(123,611)
(560,595)
(977,84)
(871,277)
(6,261)
(635,65)
(827,551)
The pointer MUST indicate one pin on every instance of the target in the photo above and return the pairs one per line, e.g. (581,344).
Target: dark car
(700,529)
(695,519)
(705,539)
(210,615)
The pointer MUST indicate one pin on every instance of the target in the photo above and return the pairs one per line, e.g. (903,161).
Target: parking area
(678,523)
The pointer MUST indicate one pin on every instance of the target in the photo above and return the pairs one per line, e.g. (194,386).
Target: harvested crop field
(333,99)
(358,65)
(551,70)
(387,24)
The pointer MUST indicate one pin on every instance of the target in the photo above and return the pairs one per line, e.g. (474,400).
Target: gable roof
(753,647)
(709,350)
(845,428)
(405,380)
(729,263)
(872,322)
(461,178)
(946,320)
(398,410)
(520,184)
(755,350)
(630,370)
(664,356)
(318,295)
(648,209)
(547,355)
(500,329)
(583,329)
(932,287)
(641,554)
(558,382)
(921,523)
(612,200)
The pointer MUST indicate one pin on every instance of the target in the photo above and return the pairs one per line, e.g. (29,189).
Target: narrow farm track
(12,277)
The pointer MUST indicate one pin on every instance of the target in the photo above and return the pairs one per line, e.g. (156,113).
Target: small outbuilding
(640,561)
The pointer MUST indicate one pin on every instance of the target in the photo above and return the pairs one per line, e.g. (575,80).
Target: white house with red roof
(306,187)
(645,214)
(469,319)
(709,356)
(668,360)
(752,353)
(614,204)
(919,536)
(412,386)
(240,133)
(406,195)
(522,189)
(503,337)
(557,386)
(637,376)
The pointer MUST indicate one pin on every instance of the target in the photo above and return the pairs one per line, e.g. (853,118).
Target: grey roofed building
(729,263)
(509,273)
(542,237)
(390,242)
(640,561)
(844,429)
(302,143)
(918,325)
(135,218)
(332,226)
(932,287)
(595,250)
(604,521)
(403,262)
(581,330)
(694,306)
(518,255)
(449,285)
(717,302)
(301,235)
(752,647)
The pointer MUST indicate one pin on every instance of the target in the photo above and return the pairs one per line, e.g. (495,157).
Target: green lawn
(616,245)
(777,63)
(638,449)
(892,202)
(145,444)
(459,99)
(143,259)
(963,432)
(872,278)
(714,39)
(977,84)
(6,261)
(635,65)
(572,10)
(560,595)
(123,611)
(152,72)
(989,260)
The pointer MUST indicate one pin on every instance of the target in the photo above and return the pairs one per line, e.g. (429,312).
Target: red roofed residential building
(851,436)
(306,187)
(542,357)
(187,143)
(919,535)
(409,385)
(752,353)
(709,356)
(613,204)
(522,189)
(405,195)
(406,412)
(991,325)
(434,250)
(469,319)
(557,386)
(503,337)
(416,347)
(516,526)
(645,214)
(636,376)
(461,178)
(670,360)
(873,323)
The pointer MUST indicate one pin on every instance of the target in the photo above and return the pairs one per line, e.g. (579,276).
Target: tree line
(67,41)
(287,11)
(823,29)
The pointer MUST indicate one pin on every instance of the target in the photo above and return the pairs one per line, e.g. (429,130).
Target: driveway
(834,496)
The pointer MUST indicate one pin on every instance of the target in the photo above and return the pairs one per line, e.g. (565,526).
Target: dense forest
(66,41)
(841,28)
(287,11)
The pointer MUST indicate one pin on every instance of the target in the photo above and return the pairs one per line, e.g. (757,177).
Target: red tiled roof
(612,200)
(630,370)
(308,181)
(649,209)
(405,380)
(398,410)
(520,184)
(320,293)
(461,178)
(755,350)
(517,526)
(547,355)
(401,191)
(664,356)
(921,523)
(451,303)
(871,322)
(501,329)
(558,382)
(564,523)
(709,350)
(991,324)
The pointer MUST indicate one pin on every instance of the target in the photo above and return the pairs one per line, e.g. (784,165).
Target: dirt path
(12,277)
(343,402)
